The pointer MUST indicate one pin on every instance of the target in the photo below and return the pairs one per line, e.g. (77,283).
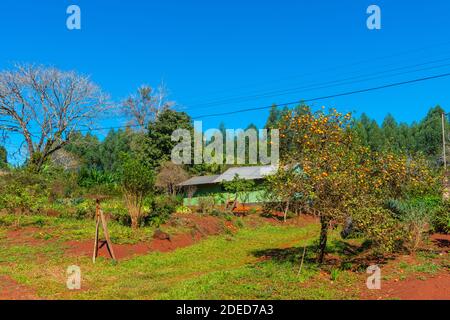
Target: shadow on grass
(338,254)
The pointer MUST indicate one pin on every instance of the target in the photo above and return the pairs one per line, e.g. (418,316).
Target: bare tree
(46,106)
(170,176)
(145,105)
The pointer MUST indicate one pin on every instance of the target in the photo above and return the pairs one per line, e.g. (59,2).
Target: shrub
(93,177)
(378,225)
(137,182)
(117,211)
(183,210)
(441,219)
(23,193)
(160,209)
(206,204)
(416,216)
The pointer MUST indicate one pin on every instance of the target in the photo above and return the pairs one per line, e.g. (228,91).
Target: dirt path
(11,290)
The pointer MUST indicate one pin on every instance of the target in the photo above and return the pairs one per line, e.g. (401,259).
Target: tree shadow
(442,243)
(338,254)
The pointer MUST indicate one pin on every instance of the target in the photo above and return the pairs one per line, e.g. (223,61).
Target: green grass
(220,267)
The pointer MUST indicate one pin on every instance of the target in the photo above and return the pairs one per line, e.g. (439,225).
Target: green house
(203,186)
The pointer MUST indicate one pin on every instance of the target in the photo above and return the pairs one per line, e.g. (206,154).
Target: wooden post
(98,244)
(444,145)
(446,182)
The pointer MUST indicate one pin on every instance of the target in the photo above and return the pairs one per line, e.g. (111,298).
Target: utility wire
(396,84)
(397,54)
(325,85)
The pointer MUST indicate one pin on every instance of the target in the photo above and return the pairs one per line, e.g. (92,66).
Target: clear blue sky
(211,50)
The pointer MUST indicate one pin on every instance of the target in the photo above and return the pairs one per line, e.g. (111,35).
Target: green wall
(221,196)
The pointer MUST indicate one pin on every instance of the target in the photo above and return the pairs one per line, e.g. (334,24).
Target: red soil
(436,287)
(26,236)
(199,227)
(11,290)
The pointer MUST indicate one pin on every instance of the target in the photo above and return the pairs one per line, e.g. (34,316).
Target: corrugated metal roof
(199,180)
(247,173)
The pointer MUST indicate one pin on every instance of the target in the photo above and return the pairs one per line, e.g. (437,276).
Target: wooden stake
(100,217)
(301,264)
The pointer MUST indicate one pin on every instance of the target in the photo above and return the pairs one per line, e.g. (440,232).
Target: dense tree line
(153,145)
(423,137)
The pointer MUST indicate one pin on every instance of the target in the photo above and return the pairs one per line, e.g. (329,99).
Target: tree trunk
(324,222)
(135,219)
(286,211)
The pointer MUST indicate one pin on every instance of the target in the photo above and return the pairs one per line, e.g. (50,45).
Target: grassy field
(253,263)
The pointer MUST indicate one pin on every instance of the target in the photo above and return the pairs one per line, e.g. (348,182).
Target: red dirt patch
(121,251)
(435,288)
(416,286)
(200,227)
(301,220)
(11,290)
(26,236)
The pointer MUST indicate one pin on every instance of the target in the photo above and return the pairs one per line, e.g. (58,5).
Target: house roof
(247,173)
(199,180)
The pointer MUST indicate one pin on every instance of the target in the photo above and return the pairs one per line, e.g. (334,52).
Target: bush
(161,208)
(23,193)
(90,178)
(415,218)
(441,219)
(379,226)
(137,181)
(117,211)
(206,204)
(183,210)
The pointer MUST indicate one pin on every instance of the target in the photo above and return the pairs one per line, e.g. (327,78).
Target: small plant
(334,274)
(206,204)
(239,223)
(183,210)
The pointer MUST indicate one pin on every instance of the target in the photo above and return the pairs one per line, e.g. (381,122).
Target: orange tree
(329,171)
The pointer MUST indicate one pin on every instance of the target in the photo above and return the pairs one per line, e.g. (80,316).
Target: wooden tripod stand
(98,244)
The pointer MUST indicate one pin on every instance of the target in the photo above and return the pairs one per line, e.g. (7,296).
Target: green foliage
(378,225)
(415,217)
(423,137)
(136,178)
(240,187)
(90,178)
(23,192)
(159,145)
(183,210)
(3,158)
(137,181)
(162,208)
(206,204)
(431,212)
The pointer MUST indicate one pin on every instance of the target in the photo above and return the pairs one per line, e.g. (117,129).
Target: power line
(396,84)
(282,104)
(329,84)
(397,54)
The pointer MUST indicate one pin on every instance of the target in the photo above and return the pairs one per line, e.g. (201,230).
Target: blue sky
(208,50)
